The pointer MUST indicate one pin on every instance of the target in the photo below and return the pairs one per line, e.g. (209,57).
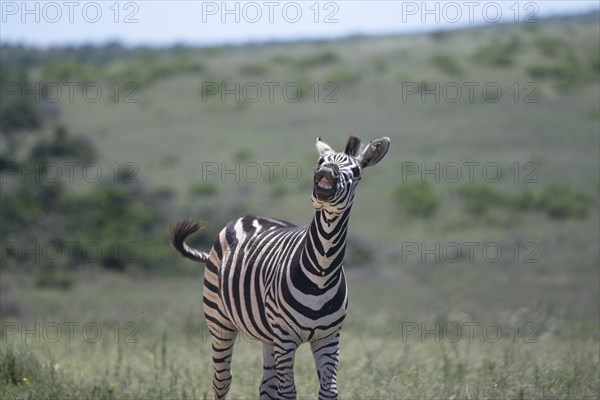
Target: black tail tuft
(177,234)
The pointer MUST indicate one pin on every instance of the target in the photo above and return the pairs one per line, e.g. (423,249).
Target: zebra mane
(353,146)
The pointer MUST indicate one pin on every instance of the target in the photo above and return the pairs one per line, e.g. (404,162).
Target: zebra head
(337,174)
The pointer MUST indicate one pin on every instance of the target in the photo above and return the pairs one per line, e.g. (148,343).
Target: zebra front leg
(284,351)
(326,354)
(222,347)
(269,384)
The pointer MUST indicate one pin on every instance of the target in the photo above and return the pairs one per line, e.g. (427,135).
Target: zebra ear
(323,148)
(374,152)
(353,146)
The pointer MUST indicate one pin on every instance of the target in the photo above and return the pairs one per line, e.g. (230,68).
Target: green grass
(165,352)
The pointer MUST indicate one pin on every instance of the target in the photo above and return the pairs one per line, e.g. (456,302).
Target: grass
(165,351)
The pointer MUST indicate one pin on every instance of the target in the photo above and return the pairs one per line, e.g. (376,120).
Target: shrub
(53,278)
(559,201)
(440,35)
(8,164)
(417,198)
(17,115)
(204,189)
(478,198)
(550,46)
(497,53)
(323,58)
(62,70)
(254,69)
(567,74)
(447,64)
(342,76)
(525,200)
(243,155)
(380,66)
(278,189)
(358,252)
(62,145)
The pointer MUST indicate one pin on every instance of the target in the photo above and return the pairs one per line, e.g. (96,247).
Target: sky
(158,23)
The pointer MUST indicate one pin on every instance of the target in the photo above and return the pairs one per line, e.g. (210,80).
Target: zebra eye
(320,162)
(355,171)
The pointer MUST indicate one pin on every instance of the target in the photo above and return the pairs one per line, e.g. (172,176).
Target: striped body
(267,261)
(282,284)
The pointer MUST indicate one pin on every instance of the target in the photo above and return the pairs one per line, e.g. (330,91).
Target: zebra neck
(325,245)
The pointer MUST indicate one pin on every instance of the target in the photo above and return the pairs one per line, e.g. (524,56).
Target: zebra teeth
(324,183)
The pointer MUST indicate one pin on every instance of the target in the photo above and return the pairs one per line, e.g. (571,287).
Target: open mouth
(324,187)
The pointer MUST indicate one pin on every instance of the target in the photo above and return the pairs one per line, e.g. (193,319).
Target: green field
(461,287)
(165,352)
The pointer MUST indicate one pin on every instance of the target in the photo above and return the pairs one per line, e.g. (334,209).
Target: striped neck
(325,246)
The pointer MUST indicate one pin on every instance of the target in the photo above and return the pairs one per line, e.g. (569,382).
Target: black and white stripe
(283,284)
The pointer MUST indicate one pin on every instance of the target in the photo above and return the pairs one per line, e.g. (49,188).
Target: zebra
(283,284)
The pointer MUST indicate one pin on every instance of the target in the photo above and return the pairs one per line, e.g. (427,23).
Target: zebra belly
(243,299)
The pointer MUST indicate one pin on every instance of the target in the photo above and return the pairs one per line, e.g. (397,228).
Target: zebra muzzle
(325,181)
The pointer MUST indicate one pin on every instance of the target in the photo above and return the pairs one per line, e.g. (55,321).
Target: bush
(567,74)
(204,189)
(125,222)
(53,278)
(63,70)
(550,46)
(417,198)
(478,198)
(525,200)
(440,35)
(497,53)
(243,155)
(16,116)
(8,164)
(559,201)
(62,145)
(342,77)
(254,69)
(447,64)
(323,58)
(358,252)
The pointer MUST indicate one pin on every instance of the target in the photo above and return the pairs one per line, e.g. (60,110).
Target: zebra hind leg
(222,347)
(268,386)
(326,355)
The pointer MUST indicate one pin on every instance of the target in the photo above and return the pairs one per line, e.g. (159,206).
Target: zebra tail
(177,234)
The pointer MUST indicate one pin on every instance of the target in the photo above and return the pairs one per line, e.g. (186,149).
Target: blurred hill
(495,139)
